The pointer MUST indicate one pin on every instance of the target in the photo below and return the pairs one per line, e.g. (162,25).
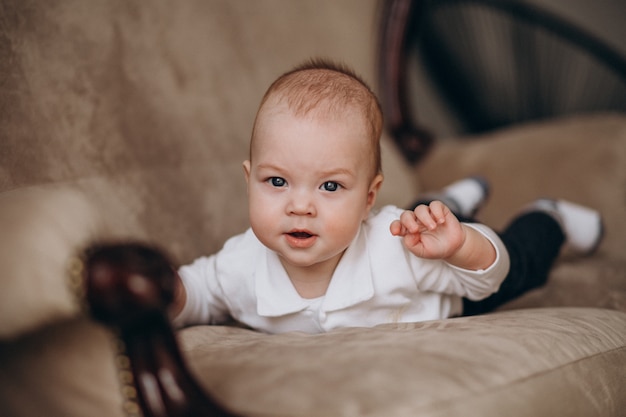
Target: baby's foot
(581,225)
(463,197)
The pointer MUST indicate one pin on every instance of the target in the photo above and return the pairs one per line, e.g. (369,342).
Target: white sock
(467,194)
(581,225)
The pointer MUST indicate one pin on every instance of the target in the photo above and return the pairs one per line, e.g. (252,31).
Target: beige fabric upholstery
(67,369)
(43,229)
(528,363)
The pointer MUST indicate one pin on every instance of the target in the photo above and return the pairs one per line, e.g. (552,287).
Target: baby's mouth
(300,239)
(300,234)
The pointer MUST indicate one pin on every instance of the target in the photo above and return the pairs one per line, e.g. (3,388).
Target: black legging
(533,241)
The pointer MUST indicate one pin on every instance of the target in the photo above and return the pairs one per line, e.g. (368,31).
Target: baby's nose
(302,204)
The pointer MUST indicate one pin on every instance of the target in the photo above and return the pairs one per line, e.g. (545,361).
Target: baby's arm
(433,232)
(180,298)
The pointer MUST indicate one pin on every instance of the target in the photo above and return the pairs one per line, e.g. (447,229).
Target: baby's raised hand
(430,231)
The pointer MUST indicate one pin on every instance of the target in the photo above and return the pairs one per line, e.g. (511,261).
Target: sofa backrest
(142,112)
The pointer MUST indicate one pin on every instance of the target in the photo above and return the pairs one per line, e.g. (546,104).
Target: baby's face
(309,185)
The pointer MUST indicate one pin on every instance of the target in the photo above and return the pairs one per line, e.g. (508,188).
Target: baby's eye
(277,181)
(330,186)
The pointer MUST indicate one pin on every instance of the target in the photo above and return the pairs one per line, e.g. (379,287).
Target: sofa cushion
(43,229)
(66,369)
(535,362)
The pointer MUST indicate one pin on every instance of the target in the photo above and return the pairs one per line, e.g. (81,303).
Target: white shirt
(376,281)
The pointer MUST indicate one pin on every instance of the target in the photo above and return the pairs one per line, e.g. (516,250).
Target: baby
(318,258)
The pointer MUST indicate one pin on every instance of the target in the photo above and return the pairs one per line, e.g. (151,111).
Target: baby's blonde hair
(328,88)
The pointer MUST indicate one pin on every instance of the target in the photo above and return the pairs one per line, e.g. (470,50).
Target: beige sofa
(127,120)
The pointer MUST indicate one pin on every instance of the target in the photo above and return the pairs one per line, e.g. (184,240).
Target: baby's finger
(439,211)
(397,229)
(409,222)
(424,216)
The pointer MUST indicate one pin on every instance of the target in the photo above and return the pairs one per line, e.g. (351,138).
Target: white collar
(351,283)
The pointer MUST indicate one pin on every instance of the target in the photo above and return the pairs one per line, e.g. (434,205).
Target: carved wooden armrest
(129,287)
(397,19)
(493,64)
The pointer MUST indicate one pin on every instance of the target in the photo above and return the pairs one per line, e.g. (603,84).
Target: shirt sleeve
(471,284)
(204,303)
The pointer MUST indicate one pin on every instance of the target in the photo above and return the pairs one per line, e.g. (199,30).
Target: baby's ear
(246,170)
(375,185)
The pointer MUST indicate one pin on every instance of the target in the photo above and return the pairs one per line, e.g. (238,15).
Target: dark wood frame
(397,19)
(129,287)
(400,21)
